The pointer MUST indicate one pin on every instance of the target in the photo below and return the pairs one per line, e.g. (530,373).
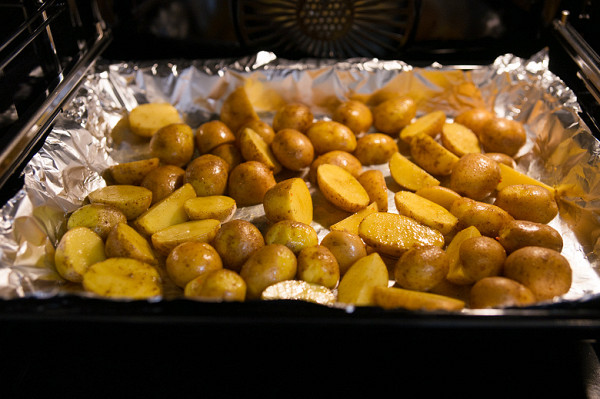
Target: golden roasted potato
(393,114)
(100,218)
(237,109)
(124,241)
(77,250)
(346,247)
(230,153)
(249,182)
(317,265)
(516,234)
(430,123)
(342,189)
(503,135)
(475,176)
(474,119)
(293,116)
(373,181)
(342,159)
(123,278)
(459,139)
(266,266)
(131,200)
(393,297)
(351,222)
(294,235)
(497,292)
(431,155)
(527,202)
(329,136)
(410,175)
(146,119)
(166,212)
(544,271)
(235,241)
(173,144)
(501,158)
(163,241)
(254,148)
(293,149)
(455,274)
(354,114)
(289,199)
(426,212)
(422,268)
(480,257)
(222,285)
(133,172)
(220,207)
(510,176)
(261,127)
(299,290)
(488,218)
(208,175)
(189,260)
(375,148)
(357,285)
(163,180)
(439,194)
(212,134)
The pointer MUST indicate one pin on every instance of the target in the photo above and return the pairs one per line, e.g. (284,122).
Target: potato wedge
(299,290)
(294,235)
(289,199)
(146,119)
(431,155)
(124,241)
(510,176)
(99,217)
(237,109)
(393,297)
(341,188)
(425,211)
(357,285)
(455,271)
(254,148)
(459,139)
(373,182)
(133,172)
(168,238)
(431,124)
(77,250)
(351,223)
(394,234)
(131,200)
(123,278)
(410,175)
(439,194)
(220,207)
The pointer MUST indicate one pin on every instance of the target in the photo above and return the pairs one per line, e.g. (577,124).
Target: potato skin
(503,135)
(421,269)
(527,202)
(487,218)
(293,234)
(474,119)
(501,158)
(375,148)
(475,176)
(211,134)
(173,144)
(354,114)
(100,218)
(191,259)
(293,149)
(261,127)
(331,136)
(498,291)
(235,241)
(163,180)
(78,249)
(230,153)
(392,115)
(523,233)
(346,247)
(249,181)
(317,265)
(208,175)
(481,257)
(222,284)
(374,182)
(268,265)
(293,116)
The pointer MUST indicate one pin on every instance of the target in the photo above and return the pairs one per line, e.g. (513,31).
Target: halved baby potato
(341,188)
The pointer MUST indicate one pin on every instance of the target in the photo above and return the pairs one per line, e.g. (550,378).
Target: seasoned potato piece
(425,211)
(474,119)
(168,238)
(208,175)
(173,144)
(488,218)
(329,136)
(421,269)
(133,172)
(394,234)
(357,285)
(430,123)
(162,181)
(431,155)
(481,257)
(503,135)
(131,200)
(289,199)
(439,194)
(189,260)
(146,119)
(523,233)
(230,153)
(212,134)
(510,176)
(393,114)
(527,202)
(294,235)
(237,109)
(123,278)
(340,158)
(373,182)
(266,266)
(410,175)
(235,241)
(249,182)
(544,271)
(354,114)
(317,265)
(220,207)
(497,292)
(254,148)
(293,149)
(455,271)
(475,176)
(124,241)
(459,139)
(77,250)
(261,127)
(167,212)
(100,218)
(375,148)
(393,297)
(222,284)
(346,247)
(341,188)
(293,116)
(350,224)
(501,158)
(299,290)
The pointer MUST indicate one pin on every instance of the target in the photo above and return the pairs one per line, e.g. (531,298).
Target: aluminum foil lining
(560,151)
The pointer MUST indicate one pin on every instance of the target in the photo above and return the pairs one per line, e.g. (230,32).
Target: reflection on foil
(92,134)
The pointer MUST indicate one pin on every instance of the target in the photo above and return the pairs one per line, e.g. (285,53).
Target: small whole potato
(487,218)
(235,241)
(211,134)
(523,233)
(208,175)
(527,202)
(342,159)
(481,257)
(354,114)
(392,115)
(221,285)
(268,265)
(497,292)
(475,176)
(249,181)
(163,180)
(173,144)
(474,119)
(189,260)
(293,234)
(503,135)
(331,136)
(293,149)
(544,271)
(346,247)
(293,116)
(230,153)
(375,148)
(261,127)
(317,265)
(421,269)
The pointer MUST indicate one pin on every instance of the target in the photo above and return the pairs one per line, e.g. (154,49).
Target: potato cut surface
(410,175)
(146,119)
(341,188)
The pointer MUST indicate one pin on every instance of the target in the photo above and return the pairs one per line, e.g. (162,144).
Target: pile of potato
(469,231)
